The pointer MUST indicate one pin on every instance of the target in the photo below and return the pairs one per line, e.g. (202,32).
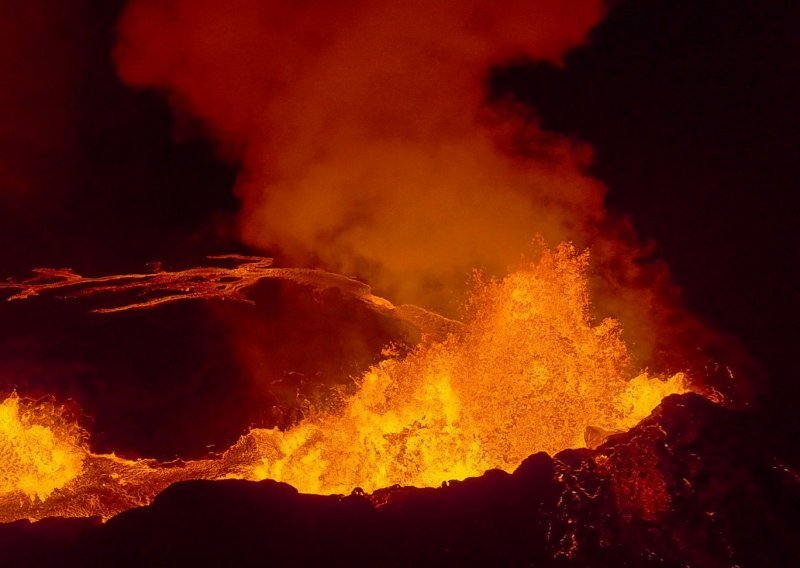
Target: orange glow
(369,144)
(530,370)
(362,132)
(38,452)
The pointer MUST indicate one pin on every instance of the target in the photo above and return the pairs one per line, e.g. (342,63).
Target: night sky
(691,106)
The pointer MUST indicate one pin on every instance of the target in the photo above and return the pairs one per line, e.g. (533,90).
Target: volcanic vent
(527,371)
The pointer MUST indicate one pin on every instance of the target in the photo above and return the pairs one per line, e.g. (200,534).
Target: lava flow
(529,370)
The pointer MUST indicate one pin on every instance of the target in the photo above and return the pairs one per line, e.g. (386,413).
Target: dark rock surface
(693,485)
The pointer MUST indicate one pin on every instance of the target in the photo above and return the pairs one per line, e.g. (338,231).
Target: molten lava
(39,452)
(528,371)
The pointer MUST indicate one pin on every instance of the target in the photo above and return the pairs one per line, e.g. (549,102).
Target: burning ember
(527,371)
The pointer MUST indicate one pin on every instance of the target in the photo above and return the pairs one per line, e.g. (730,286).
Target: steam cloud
(367,144)
(361,128)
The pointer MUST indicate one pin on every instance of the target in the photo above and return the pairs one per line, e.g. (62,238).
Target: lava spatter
(528,370)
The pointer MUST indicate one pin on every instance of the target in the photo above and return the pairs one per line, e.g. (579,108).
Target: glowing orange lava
(529,370)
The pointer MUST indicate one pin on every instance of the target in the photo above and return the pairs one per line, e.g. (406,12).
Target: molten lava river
(528,370)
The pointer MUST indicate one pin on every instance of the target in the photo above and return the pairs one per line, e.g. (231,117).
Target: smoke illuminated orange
(530,370)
